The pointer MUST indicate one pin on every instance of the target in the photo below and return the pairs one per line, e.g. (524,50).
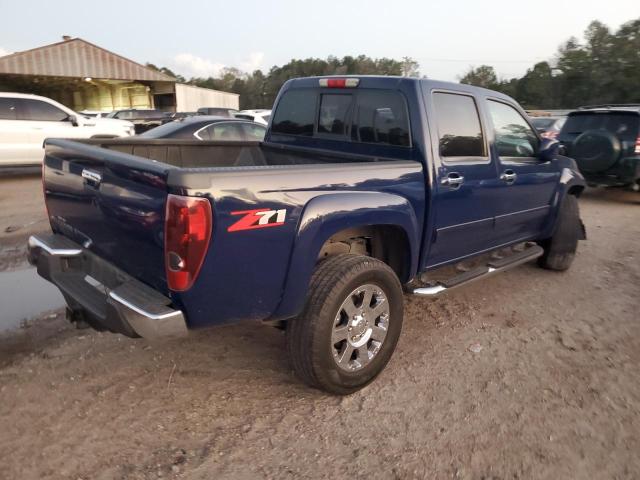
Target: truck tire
(349,326)
(560,249)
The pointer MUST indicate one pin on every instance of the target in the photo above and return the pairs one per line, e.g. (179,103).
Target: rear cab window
(358,116)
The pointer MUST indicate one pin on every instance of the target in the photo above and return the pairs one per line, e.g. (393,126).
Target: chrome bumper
(101,294)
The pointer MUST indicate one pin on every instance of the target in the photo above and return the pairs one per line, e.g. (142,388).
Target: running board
(493,266)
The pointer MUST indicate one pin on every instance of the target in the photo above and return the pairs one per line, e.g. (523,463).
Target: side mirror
(549,149)
(73,119)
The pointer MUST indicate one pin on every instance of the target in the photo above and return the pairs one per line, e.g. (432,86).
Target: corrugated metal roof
(77,58)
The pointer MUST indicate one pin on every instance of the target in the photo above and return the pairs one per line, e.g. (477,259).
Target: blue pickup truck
(364,188)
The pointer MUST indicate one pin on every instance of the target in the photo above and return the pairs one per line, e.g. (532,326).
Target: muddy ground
(553,392)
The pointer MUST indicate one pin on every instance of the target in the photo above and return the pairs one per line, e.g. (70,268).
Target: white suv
(26,120)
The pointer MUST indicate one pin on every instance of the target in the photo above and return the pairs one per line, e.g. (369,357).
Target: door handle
(509,176)
(452,180)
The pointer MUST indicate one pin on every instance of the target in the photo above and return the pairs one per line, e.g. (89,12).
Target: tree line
(605,68)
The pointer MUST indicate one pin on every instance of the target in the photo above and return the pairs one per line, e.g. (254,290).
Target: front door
(527,185)
(466,179)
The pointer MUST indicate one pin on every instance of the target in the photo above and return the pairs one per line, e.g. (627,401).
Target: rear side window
(8,109)
(513,135)
(42,111)
(334,114)
(295,114)
(458,123)
(622,125)
(220,132)
(381,117)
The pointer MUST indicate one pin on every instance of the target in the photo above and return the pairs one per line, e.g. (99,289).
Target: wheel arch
(388,221)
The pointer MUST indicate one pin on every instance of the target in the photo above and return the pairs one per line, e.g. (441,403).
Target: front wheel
(560,249)
(350,324)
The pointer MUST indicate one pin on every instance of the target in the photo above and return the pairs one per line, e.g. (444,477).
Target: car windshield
(623,125)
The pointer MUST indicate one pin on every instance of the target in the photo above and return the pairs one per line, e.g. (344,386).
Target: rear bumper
(101,294)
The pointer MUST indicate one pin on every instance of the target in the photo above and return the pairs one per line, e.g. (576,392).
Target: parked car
(604,140)
(209,128)
(258,116)
(362,185)
(548,127)
(143,120)
(171,116)
(217,111)
(26,120)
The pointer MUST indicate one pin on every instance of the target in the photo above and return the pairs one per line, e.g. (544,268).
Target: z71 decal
(260,218)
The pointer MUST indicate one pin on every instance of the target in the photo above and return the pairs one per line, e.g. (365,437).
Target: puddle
(24,294)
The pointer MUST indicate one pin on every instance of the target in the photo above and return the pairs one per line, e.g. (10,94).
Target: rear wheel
(350,325)
(560,249)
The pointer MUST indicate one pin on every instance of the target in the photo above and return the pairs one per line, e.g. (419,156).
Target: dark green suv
(604,140)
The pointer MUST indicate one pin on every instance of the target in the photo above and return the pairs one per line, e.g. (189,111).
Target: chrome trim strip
(35,242)
(144,313)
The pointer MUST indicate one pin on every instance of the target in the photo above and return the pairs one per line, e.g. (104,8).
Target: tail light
(339,82)
(637,150)
(187,232)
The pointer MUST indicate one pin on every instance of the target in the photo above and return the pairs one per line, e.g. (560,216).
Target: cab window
(513,135)
(459,131)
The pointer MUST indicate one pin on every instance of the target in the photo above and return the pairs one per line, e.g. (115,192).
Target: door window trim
(484,160)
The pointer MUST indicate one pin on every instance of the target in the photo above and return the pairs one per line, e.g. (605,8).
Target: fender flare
(571,183)
(328,214)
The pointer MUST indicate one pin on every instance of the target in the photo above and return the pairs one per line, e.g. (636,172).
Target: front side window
(8,109)
(513,135)
(380,117)
(295,113)
(458,124)
(334,113)
(220,132)
(40,111)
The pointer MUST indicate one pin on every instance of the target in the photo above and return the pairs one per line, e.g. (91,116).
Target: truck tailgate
(111,203)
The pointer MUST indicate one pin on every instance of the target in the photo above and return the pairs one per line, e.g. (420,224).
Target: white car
(259,116)
(26,120)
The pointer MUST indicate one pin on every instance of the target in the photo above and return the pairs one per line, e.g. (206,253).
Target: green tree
(482,76)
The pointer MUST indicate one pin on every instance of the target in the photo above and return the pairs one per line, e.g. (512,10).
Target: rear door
(14,134)
(527,185)
(466,178)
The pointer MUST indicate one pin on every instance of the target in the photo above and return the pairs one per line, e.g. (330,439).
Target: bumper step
(102,295)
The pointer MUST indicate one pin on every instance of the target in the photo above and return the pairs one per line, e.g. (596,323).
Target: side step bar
(493,266)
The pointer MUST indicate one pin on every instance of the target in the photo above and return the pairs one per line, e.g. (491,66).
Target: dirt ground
(529,374)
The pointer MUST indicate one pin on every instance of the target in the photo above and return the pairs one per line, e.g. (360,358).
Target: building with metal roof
(84,76)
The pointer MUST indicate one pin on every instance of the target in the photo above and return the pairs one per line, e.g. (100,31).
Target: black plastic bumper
(101,294)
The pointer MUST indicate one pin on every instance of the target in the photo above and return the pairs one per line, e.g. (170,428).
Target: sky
(198,38)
